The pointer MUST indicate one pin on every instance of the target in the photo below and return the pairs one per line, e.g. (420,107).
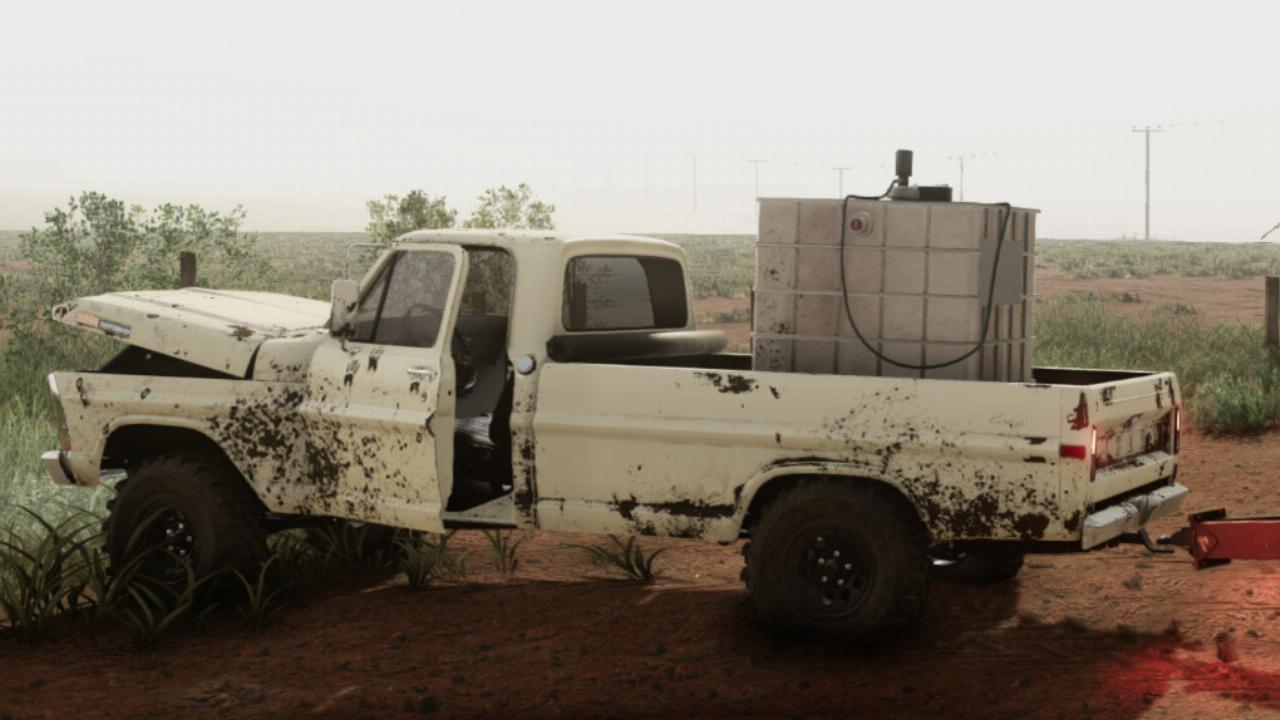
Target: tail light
(1177,427)
(1083,452)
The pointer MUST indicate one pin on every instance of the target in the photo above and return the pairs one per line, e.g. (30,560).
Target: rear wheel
(185,510)
(838,561)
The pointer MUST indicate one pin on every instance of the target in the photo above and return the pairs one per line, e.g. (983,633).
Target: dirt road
(1117,634)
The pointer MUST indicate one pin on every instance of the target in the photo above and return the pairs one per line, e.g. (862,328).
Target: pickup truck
(536,380)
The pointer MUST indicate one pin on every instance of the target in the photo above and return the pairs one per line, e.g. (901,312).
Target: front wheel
(181,512)
(838,561)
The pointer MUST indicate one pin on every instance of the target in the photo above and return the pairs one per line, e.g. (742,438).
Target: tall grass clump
(627,557)
(1229,379)
(25,433)
(40,572)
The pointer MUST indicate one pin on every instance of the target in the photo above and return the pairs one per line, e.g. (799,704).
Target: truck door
(379,410)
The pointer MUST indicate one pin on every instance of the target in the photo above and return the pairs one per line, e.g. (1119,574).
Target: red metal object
(1213,539)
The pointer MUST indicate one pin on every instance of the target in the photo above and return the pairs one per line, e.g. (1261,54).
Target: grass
(505,547)
(1134,258)
(1229,379)
(424,560)
(627,557)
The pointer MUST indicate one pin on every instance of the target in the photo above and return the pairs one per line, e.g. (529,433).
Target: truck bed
(978,460)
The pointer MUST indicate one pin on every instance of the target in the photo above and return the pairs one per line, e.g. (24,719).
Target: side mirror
(342,310)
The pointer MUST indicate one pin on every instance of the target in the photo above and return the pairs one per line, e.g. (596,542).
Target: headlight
(53,384)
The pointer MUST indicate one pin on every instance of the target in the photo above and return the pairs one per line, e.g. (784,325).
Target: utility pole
(756,163)
(1146,131)
(961,158)
(840,180)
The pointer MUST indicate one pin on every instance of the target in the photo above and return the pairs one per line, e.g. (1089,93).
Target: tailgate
(217,329)
(1136,424)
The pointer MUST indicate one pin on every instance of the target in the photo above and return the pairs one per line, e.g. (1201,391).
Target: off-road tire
(885,550)
(225,517)
(978,568)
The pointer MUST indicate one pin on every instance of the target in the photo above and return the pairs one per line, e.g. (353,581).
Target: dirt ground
(1218,299)
(1114,634)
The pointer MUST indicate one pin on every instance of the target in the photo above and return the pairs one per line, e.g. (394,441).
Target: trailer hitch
(1213,539)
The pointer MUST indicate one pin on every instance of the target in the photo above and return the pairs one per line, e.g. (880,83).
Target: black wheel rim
(171,546)
(828,570)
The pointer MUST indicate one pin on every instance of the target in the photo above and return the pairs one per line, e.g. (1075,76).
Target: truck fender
(184,433)
(777,475)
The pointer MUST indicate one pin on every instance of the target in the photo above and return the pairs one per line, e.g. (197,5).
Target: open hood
(217,329)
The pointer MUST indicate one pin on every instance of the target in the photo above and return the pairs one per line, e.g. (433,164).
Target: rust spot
(731,383)
(1108,394)
(240,332)
(1031,527)
(1035,459)
(1035,440)
(1073,522)
(1079,418)
(774,391)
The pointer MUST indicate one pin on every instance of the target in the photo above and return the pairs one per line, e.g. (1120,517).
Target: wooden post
(1273,311)
(187,274)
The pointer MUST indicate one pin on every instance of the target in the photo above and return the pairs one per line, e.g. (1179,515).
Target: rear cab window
(623,292)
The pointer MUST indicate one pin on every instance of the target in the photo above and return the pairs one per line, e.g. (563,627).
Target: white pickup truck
(534,380)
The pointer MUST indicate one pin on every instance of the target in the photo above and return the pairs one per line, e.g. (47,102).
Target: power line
(1146,131)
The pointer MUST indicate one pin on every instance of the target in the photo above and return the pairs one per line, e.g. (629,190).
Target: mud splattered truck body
(531,380)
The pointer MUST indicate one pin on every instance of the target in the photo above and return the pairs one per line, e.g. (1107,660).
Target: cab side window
(623,292)
(405,304)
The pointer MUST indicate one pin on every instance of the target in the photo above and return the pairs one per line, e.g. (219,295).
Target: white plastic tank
(917,281)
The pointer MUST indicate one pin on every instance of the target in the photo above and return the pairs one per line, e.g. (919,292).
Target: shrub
(39,573)
(423,560)
(630,558)
(505,545)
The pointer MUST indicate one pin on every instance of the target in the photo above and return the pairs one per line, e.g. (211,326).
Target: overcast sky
(303,111)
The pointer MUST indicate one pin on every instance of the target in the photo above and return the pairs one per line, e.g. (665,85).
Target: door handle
(423,372)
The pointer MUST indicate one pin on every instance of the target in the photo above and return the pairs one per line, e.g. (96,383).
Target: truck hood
(217,329)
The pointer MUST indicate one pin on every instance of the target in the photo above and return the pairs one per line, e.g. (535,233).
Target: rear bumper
(1132,514)
(55,463)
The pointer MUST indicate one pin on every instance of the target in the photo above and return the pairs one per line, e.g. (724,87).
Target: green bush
(98,244)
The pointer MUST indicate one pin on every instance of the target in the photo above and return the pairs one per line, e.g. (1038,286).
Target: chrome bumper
(1132,514)
(56,466)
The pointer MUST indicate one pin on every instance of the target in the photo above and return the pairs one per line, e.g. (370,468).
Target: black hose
(991,289)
